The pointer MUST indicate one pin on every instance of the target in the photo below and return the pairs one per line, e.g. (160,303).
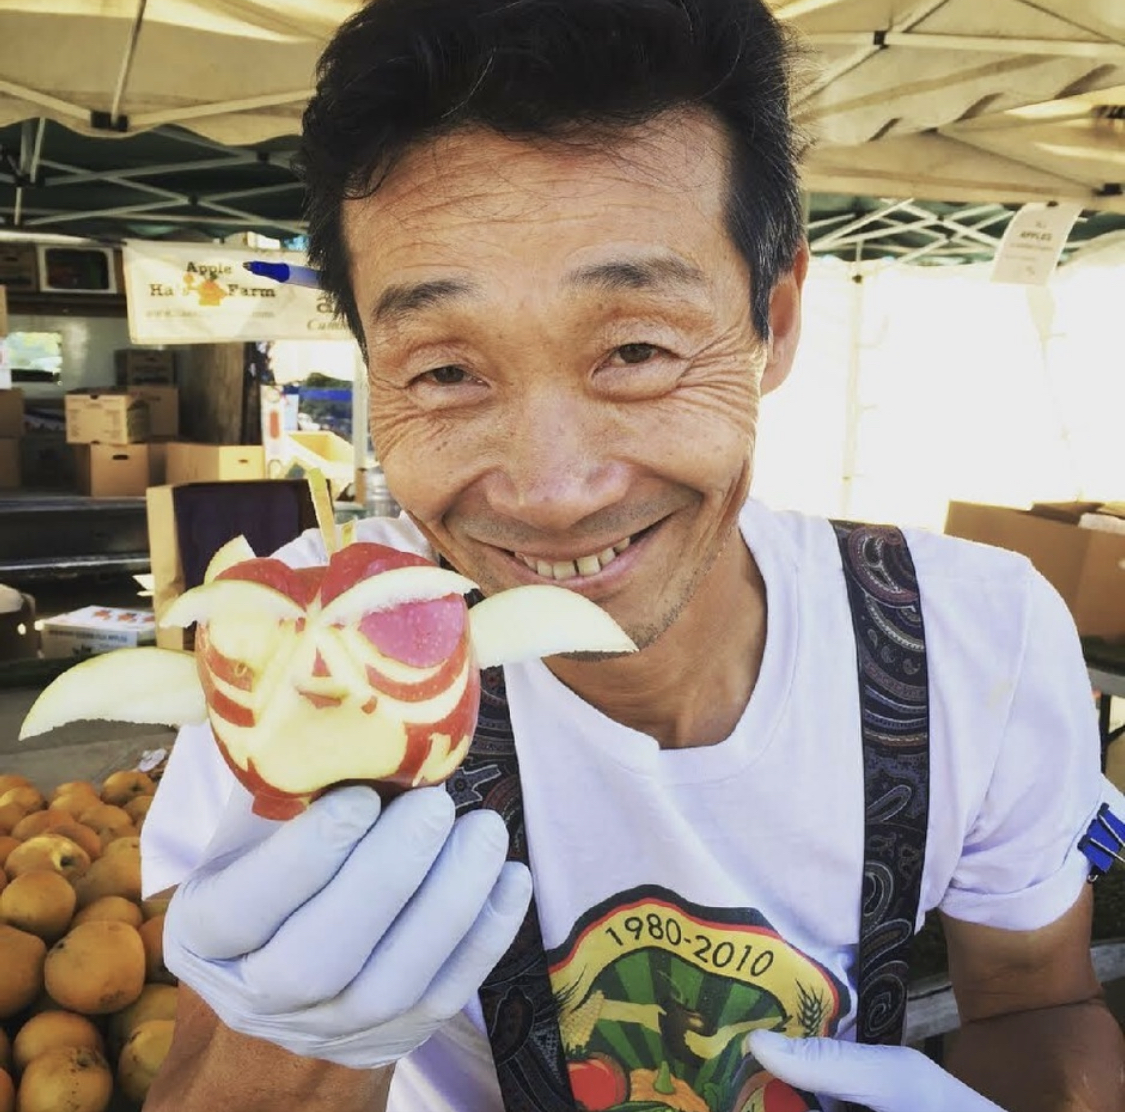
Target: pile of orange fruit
(87,1007)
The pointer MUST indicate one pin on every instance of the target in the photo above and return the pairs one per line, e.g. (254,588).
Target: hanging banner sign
(1033,242)
(200,293)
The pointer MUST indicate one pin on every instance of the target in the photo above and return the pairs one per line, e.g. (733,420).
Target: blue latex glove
(883,1078)
(347,934)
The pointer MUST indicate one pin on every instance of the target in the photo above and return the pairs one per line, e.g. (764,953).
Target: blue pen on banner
(285,272)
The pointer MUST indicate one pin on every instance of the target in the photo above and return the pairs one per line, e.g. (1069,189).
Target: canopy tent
(932,119)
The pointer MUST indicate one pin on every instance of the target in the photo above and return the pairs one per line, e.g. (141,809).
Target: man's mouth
(590,564)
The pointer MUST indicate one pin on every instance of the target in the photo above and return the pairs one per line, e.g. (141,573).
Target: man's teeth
(584,565)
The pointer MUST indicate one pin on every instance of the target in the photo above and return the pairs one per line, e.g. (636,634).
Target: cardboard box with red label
(96,629)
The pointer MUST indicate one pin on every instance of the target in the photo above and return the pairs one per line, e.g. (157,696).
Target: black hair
(401,72)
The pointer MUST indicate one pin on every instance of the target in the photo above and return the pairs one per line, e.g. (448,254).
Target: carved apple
(365,668)
(292,698)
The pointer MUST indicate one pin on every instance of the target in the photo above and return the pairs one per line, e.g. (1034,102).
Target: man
(568,238)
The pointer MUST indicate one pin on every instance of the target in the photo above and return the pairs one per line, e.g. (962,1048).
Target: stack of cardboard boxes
(11,412)
(119,436)
(151,376)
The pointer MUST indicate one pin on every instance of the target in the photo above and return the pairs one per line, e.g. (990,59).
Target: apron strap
(890,643)
(520,1013)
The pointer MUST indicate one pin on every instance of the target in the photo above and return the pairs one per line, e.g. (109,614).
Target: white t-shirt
(687,896)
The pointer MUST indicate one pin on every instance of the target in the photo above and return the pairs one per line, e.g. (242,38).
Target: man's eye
(636,353)
(446,376)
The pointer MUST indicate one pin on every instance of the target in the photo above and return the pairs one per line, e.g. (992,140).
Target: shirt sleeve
(190,801)
(1020,867)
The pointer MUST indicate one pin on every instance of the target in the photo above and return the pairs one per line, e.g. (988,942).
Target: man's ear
(785,321)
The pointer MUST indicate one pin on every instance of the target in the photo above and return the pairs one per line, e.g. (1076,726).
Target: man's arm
(211,1067)
(1036,1035)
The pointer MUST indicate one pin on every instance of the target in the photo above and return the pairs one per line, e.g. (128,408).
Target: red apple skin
(422,634)
(269,802)
(458,725)
(431,636)
(426,688)
(214,663)
(294,583)
(355,562)
(218,702)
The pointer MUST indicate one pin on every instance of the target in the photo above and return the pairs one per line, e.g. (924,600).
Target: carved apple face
(301,699)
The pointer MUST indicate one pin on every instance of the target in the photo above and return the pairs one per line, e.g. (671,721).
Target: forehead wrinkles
(473,176)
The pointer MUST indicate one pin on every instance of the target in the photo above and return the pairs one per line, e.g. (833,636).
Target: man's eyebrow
(404,299)
(643,273)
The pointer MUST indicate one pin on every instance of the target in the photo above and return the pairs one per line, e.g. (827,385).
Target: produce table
(50,535)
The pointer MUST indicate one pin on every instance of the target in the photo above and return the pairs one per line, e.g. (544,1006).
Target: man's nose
(562,462)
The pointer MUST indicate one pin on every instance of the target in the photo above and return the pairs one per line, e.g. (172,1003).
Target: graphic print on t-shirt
(657,995)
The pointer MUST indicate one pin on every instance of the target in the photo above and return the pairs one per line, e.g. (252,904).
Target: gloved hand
(347,934)
(883,1078)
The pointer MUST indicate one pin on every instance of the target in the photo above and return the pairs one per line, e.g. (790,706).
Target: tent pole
(852,406)
(127,63)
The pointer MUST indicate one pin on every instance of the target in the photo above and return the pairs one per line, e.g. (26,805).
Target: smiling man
(568,238)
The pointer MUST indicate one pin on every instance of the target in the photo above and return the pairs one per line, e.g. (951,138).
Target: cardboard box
(157,462)
(1083,565)
(18,267)
(163,408)
(11,413)
(18,636)
(97,629)
(213,463)
(112,470)
(9,463)
(144,367)
(103,418)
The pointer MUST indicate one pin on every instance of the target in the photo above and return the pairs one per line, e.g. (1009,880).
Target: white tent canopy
(235,71)
(951,100)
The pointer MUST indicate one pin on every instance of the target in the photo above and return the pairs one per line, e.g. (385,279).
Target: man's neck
(691,686)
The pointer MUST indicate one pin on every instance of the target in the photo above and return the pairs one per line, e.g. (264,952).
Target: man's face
(564,375)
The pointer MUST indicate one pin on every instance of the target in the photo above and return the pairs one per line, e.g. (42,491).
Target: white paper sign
(1033,242)
(200,293)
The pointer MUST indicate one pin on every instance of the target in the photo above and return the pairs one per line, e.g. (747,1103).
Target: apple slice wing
(235,551)
(145,685)
(395,587)
(541,620)
(230,597)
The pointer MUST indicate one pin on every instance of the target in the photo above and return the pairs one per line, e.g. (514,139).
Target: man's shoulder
(938,559)
(399,532)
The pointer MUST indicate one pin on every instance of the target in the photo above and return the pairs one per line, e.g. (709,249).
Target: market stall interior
(146,153)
